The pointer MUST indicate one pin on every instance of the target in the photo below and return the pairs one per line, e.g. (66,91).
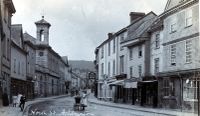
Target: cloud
(78,26)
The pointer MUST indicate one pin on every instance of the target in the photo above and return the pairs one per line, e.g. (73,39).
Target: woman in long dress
(84,98)
(18,98)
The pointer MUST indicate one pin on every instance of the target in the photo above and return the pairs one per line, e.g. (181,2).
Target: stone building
(19,83)
(49,64)
(123,60)
(106,59)
(6,10)
(138,60)
(178,82)
(29,47)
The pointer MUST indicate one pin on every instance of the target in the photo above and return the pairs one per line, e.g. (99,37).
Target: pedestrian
(22,102)
(14,100)
(5,99)
(84,98)
(18,98)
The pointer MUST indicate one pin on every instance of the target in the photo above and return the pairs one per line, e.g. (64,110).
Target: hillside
(81,64)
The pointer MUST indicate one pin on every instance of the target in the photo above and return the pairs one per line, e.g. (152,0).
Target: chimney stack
(110,35)
(135,15)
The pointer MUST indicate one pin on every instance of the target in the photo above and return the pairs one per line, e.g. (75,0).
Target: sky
(79,26)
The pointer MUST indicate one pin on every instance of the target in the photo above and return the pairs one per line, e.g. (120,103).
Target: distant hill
(82,64)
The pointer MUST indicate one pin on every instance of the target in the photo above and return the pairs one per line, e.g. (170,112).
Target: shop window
(168,87)
(191,88)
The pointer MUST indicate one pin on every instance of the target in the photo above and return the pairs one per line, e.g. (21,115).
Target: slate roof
(157,24)
(42,21)
(28,37)
(138,28)
(16,34)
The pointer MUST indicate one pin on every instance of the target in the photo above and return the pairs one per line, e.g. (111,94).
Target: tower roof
(43,22)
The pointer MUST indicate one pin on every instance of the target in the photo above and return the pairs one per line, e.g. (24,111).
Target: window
(14,68)
(131,71)
(121,64)
(156,65)
(121,37)
(108,48)
(22,69)
(8,49)
(19,68)
(130,53)
(41,35)
(140,51)
(102,69)
(157,43)
(121,48)
(5,13)
(41,53)
(113,67)
(168,87)
(114,46)
(188,51)
(102,52)
(173,54)
(140,70)
(188,18)
(108,69)
(173,25)
(191,88)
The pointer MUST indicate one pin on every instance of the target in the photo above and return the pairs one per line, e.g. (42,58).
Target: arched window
(41,35)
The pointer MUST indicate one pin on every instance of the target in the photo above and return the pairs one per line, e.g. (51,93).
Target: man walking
(22,102)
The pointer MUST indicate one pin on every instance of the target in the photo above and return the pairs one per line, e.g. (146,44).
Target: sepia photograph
(99,58)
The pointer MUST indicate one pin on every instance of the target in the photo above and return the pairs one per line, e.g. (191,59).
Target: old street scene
(99,58)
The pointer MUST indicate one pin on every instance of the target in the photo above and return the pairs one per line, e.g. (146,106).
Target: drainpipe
(198,106)
(181,87)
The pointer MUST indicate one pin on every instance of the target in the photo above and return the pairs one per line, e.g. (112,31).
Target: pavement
(157,111)
(15,111)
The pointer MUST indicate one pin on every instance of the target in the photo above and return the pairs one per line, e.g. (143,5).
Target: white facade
(156,52)
(107,66)
(121,54)
(18,63)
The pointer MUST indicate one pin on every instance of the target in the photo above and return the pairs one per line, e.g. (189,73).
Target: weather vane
(43,13)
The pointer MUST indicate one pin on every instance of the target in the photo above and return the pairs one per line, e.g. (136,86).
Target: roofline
(121,31)
(125,28)
(10,2)
(168,1)
(142,18)
(177,8)
(19,48)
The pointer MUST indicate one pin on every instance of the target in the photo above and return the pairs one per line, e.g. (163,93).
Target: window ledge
(139,56)
(188,26)
(156,48)
(190,100)
(169,97)
(172,32)
(188,62)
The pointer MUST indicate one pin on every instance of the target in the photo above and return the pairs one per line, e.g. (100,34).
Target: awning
(150,81)
(118,82)
(130,85)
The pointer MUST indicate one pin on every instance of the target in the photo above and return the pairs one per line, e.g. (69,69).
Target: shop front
(149,92)
(22,87)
